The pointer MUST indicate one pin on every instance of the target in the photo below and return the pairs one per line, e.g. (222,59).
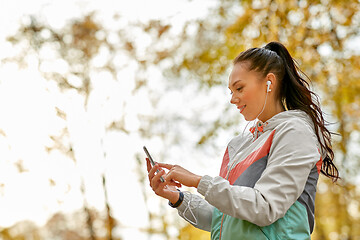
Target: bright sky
(28,117)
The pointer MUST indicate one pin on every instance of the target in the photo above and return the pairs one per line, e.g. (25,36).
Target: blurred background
(85,84)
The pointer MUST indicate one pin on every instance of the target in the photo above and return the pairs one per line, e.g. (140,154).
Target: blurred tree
(59,226)
(75,48)
(21,231)
(323,36)
(337,211)
(71,227)
(110,221)
(81,51)
(189,232)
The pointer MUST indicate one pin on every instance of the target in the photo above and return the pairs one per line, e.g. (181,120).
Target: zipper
(222,219)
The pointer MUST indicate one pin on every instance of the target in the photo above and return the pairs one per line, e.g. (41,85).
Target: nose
(234,99)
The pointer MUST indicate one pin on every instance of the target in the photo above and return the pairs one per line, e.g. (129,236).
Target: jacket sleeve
(197,210)
(294,152)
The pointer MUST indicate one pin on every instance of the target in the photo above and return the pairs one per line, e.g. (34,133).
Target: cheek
(249,96)
(253,98)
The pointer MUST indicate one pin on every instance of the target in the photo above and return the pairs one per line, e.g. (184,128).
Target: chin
(249,118)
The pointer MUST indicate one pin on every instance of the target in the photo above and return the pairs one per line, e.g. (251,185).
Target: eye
(238,89)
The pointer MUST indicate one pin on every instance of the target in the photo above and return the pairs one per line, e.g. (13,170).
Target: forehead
(242,67)
(240,72)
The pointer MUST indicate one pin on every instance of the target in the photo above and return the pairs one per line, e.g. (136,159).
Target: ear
(270,77)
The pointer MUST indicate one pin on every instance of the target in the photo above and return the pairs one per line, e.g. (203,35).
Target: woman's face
(248,91)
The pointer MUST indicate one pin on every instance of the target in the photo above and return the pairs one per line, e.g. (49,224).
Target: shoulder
(295,122)
(297,129)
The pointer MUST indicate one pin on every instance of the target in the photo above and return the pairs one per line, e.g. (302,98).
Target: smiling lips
(241,108)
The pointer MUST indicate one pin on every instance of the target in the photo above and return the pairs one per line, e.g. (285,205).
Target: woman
(267,183)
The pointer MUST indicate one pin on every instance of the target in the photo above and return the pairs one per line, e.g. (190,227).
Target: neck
(271,109)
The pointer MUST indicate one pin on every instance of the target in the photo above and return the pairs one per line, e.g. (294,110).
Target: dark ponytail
(294,92)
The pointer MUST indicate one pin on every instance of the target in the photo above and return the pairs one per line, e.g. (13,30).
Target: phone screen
(152,162)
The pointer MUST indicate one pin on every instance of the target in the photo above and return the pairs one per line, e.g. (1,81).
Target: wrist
(198,178)
(174,197)
(179,200)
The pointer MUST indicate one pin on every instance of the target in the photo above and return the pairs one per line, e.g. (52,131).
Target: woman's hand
(165,189)
(179,174)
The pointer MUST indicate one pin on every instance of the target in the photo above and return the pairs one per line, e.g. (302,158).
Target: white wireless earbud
(268,83)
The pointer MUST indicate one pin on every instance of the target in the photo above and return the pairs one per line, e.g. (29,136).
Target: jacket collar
(258,129)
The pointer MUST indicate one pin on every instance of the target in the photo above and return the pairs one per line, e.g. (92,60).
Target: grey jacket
(262,175)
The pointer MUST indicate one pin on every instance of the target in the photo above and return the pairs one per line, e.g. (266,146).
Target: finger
(152,172)
(173,183)
(170,177)
(170,180)
(155,181)
(148,164)
(167,166)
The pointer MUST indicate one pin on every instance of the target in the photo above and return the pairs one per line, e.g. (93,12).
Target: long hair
(294,92)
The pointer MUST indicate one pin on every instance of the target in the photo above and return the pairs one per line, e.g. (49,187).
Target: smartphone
(152,162)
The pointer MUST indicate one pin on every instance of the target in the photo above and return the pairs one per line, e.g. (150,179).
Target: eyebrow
(236,82)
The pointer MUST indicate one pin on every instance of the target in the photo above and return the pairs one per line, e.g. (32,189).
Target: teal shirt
(293,225)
